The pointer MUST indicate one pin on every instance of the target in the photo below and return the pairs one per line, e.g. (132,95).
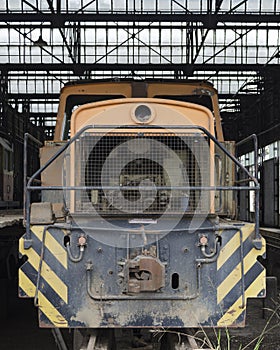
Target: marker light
(143,113)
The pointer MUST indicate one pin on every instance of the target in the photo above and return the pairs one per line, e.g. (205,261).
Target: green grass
(221,339)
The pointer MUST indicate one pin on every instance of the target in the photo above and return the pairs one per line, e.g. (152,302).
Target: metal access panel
(225,201)
(53,175)
(270,192)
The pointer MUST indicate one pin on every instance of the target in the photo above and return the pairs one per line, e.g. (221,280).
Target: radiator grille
(138,173)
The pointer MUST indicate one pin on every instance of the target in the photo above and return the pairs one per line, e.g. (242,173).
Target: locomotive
(137,224)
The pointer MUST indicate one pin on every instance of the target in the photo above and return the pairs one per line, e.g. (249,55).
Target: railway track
(272,236)
(132,339)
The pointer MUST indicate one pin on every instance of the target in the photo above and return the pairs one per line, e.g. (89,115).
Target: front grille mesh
(138,173)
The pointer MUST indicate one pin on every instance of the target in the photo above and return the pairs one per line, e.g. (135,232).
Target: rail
(30,187)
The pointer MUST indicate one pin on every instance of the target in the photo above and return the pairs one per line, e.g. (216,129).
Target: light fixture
(40,42)
(143,114)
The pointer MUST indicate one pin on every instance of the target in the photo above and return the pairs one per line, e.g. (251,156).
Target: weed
(221,339)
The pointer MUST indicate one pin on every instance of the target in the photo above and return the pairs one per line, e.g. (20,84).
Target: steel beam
(41,98)
(78,69)
(133,25)
(32,96)
(210,21)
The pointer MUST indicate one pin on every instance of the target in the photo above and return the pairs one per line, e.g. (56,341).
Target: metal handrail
(254,138)
(27,137)
(29,187)
(144,188)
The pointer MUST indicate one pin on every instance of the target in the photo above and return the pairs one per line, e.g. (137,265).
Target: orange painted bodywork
(148,90)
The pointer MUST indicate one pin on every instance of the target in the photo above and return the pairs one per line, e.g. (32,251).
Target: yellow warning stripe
(228,283)
(46,272)
(235,276)
(51,243)
(228,250)
(233,244)
(236,309)
(45,306)
(249,260)
(26,285)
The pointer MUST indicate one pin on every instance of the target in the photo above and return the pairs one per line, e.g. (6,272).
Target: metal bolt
(89,266)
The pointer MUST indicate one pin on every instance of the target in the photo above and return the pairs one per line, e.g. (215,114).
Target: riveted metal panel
(91,292)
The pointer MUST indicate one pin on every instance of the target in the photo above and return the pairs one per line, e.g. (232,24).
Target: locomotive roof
(127,80)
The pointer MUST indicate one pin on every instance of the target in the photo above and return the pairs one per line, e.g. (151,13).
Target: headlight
(143,114)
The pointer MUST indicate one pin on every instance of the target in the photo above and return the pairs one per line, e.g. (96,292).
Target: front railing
(117,187)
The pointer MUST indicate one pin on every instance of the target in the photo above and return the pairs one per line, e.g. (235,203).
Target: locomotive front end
(130,231)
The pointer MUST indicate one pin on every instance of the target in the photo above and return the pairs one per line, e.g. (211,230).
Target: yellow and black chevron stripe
(52,289)
(239,275)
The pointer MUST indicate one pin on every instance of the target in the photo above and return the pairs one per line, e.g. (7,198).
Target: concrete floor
(11,218)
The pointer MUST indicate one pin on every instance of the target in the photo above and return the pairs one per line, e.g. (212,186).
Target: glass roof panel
(39,54)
